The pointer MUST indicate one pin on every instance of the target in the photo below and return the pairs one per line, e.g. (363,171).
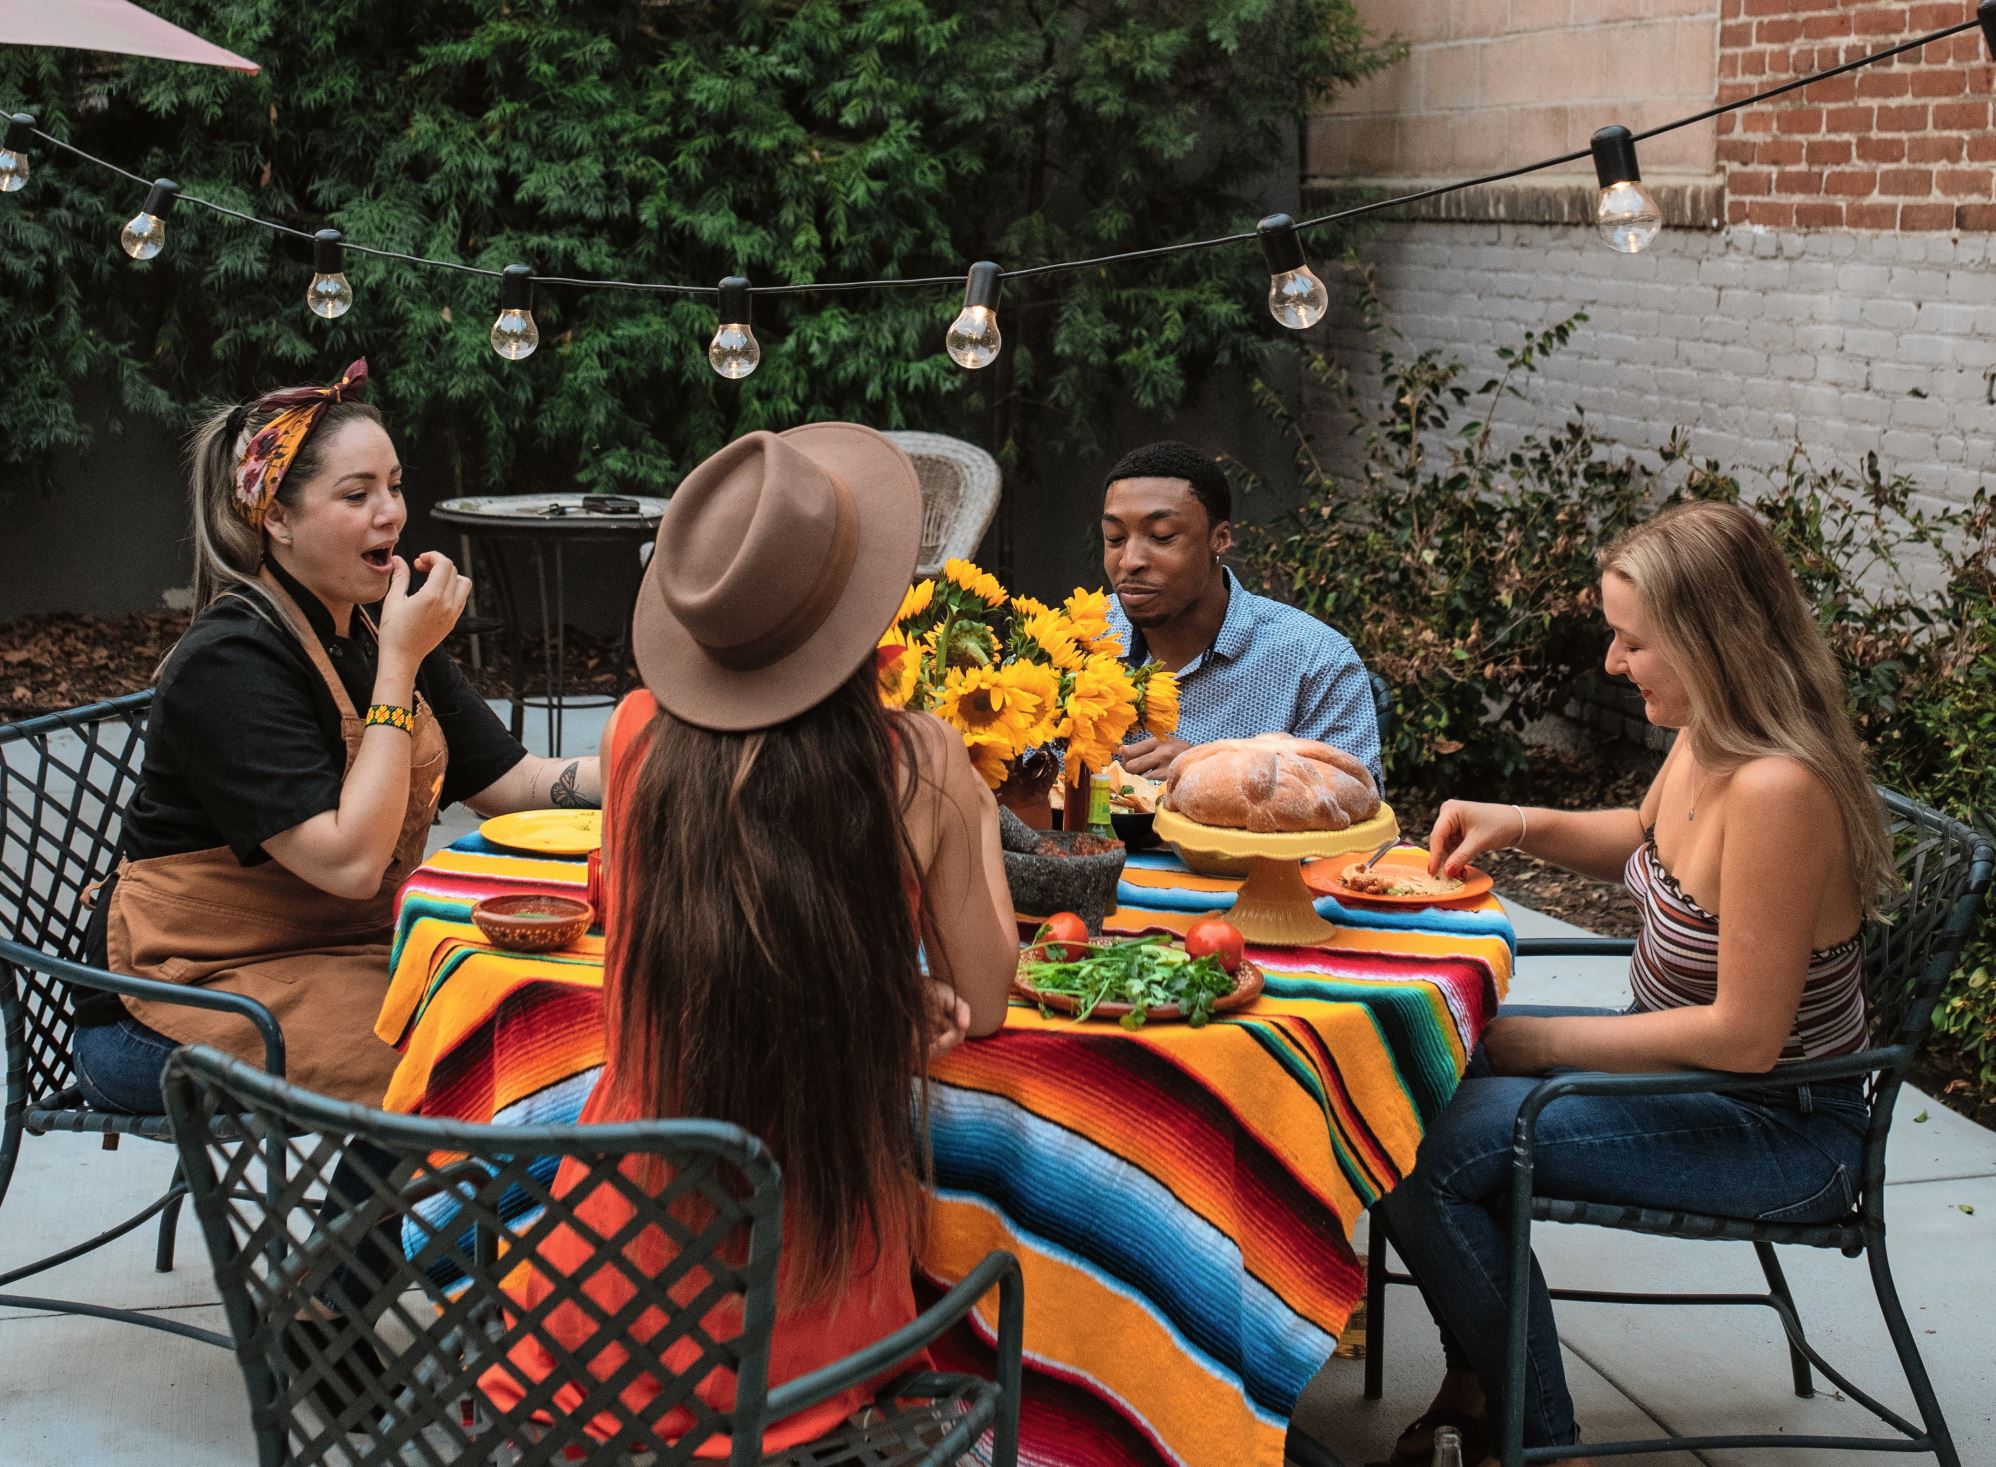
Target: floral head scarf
(265,459)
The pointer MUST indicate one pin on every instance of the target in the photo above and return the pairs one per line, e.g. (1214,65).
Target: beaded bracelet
(390,716)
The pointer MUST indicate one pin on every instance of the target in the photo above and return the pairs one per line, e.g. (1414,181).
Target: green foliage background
(789,140)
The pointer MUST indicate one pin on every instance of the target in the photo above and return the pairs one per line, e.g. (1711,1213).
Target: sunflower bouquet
(1018,678)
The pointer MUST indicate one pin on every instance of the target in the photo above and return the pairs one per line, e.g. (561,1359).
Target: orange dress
(880,1300)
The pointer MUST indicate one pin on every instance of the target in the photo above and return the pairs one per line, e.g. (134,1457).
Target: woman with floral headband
(296,754)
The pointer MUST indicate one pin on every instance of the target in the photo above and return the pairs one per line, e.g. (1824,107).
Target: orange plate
(1322,877)
(1247,988)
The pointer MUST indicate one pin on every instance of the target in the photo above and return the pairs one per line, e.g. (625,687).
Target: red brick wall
(1903,144)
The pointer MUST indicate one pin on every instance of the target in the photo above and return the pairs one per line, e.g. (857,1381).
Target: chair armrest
(81,975)
(1692,1082)
(1576,947)
(998,1267)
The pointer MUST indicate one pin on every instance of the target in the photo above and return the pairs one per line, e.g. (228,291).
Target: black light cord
(1058,266)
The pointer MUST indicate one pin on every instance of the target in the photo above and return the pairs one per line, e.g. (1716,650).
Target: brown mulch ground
(51,662)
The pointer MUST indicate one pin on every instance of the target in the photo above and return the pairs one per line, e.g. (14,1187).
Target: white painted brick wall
(1853,342)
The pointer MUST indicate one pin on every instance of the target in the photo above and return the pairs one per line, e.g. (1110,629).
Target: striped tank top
(1676,965)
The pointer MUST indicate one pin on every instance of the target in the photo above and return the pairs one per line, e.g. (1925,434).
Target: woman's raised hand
(1464,830)
(413,625)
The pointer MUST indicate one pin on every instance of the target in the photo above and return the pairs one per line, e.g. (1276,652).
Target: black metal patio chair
(1908,955)
(474,1206)
(64,781)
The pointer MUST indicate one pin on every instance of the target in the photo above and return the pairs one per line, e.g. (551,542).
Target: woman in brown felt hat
(779,854)
(275,819)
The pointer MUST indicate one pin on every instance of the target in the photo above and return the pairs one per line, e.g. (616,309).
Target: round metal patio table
(541,528)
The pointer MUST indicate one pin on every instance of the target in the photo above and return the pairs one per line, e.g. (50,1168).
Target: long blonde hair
(1724,607)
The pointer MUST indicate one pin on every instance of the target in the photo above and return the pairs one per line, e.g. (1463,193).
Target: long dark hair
(763,964)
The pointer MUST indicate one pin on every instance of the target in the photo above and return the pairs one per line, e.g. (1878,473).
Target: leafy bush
(1464,575)
(1467,578)
(790,140)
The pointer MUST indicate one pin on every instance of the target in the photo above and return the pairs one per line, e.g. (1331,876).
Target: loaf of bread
(1271,783)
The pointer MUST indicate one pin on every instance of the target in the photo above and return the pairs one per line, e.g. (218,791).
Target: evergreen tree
(788,140)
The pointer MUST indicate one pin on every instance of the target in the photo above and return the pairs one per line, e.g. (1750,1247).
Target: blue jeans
(1796,1159)
(118,1066)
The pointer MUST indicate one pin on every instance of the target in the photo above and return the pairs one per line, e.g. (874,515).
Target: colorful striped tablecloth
(1181,1200)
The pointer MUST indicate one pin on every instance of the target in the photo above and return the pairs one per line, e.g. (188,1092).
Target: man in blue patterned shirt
(1246,665)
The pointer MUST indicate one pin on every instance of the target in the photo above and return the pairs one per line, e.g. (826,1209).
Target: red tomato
(1065,936)
(1222,939)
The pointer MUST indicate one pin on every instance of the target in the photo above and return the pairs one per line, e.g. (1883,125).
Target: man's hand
(1152,758)
(952,1017)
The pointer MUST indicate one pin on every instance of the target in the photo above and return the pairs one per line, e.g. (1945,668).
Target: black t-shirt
(244,738)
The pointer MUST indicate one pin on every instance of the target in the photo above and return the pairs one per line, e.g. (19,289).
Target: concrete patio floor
(76,1392)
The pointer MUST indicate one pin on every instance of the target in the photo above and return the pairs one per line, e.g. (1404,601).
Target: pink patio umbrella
(108,25)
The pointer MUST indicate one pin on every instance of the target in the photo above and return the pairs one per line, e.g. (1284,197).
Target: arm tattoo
(563,794)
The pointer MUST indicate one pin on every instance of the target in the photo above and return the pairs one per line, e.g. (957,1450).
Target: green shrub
(788,140)
(1467,579)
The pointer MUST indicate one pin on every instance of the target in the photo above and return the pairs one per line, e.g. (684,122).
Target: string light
(514,334)
(1296,297)
(145,233)
(328,295)
(974,340)
(14,152)
(1627,214)
(734,352)
(1627,217)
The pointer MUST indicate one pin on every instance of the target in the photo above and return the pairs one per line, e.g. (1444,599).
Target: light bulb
(14,152)
(514,334)
(1627,216)
(145,235)
(734,352)
(328,295)
(974,339)
(1296,297)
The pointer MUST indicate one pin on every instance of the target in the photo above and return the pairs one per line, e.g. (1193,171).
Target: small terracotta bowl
(528,922)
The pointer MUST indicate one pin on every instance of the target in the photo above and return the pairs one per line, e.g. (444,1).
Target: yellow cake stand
(1273,905)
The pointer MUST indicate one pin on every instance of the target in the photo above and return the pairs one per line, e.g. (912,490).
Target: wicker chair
(1907,959)
(473,1206)
(64,782)
(960,484)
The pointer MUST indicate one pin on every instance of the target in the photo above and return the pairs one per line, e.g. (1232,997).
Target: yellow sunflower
(1101,707)
(1089,612)
(995,703)
(1029,606)
(1041,682)
(991,758)
(897,663)
(975,581)
(1053,634)
(914,601)
(1158,707)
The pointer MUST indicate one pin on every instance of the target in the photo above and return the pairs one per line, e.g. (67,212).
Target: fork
(1384,846)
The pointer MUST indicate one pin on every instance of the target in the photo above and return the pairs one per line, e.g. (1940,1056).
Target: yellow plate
(551,832)
(1296,845)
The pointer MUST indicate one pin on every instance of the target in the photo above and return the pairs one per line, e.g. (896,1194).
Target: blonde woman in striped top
(1753,858)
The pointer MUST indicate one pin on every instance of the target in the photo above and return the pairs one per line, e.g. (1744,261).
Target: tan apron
(318,962)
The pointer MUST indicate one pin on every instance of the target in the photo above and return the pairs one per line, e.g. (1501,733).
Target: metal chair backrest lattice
(960,485)
(65,779)
(452,1256)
